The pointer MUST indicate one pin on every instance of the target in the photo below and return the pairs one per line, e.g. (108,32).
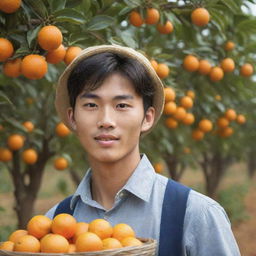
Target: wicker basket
(147,249)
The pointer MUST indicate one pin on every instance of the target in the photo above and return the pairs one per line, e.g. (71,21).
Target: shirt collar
(139,184)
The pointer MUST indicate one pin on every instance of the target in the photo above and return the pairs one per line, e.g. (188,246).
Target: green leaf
(22,51)
(85,6)
(56,5)
(4,99)
(128,39)
(232,5)
(73,3)
(247,26)
(125,10)
(133,3)
(32,34)
(69,15)
(100,22)
(38,7)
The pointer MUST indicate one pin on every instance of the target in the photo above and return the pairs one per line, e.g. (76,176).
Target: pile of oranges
(64,234)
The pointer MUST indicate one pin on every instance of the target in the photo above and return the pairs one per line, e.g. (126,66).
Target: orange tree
(186,42)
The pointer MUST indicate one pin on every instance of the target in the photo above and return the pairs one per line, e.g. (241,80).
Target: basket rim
(147,243)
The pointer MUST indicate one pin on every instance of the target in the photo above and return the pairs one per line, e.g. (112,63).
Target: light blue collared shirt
(207,229)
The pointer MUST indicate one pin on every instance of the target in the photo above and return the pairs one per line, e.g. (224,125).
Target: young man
(110,96)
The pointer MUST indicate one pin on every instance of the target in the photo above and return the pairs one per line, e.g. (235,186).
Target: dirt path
(245,232)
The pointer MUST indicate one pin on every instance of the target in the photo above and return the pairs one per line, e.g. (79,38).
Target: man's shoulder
(203,207)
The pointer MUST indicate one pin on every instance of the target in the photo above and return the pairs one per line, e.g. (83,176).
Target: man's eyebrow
(124,97)
(117,97)
(89,95)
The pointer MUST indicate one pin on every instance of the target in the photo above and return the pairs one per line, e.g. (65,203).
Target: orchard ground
(57,184)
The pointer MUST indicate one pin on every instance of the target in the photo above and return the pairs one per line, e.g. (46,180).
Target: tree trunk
(27,182)
(175,168)
(251,164)
(214,167)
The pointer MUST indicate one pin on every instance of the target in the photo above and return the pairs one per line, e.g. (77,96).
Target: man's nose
(106,119)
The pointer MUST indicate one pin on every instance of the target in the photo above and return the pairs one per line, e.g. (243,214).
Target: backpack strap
(172,219)
(64,207)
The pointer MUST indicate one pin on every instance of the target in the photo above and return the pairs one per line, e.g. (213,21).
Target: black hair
(91,72)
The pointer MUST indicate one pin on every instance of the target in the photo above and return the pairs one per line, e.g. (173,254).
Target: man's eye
(90,105)
(122,105)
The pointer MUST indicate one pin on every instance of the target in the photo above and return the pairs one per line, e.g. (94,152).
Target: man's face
(108,121)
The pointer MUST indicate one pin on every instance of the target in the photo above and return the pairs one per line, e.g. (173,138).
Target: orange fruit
(154,64)
(88,241)
(200,17)
(216,74)
(15,141)
(27,243)
(162,70)
(167,28)
(71,53)
(5,155)
(111,243)
(217,97)
(171,123)
(131,241)
(197,134)
(186,150)
(7,246)
(39,226)
(229,46)
(81,227)
(29,126)
(71,248)
(191,63)
(158,167)
(240,119)
(222,122)
(152,16)
(12,68)
(29,156)
(135,19)
(57,55)
(169,94)
(49,37)
(34,66)
(122,230)
(226,132)
(204,67)
(9,6)
(230,114)
(15,235)
(228,65)
(64,224)
(186,102)
(246,70)
(101,228)
(169,108)
(191,94)
(54,243)
(6,49)
(205,125)
(60,163)
(188,119)
(62,130)
(180,113)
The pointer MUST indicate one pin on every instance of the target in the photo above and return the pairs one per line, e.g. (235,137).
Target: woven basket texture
(147,249)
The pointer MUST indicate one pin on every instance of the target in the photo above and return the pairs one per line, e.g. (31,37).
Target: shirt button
(121,194)
(105,217)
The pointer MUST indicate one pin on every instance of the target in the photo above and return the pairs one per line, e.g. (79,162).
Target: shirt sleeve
(207,229)
(50,213)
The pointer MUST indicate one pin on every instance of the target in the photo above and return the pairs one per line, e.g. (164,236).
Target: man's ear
(148,120)
(71,118)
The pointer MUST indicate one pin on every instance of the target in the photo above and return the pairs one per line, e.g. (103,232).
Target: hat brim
(62,102)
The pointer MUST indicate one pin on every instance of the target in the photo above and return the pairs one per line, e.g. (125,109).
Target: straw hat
(62,99)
